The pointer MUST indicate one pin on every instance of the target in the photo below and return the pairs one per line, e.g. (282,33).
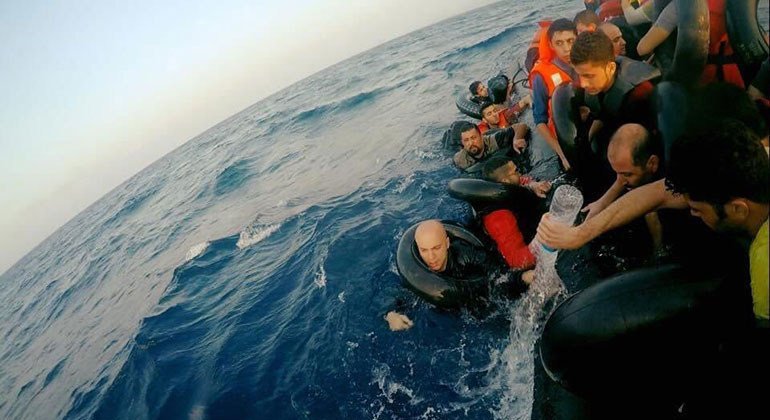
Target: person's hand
(528,276)
(398,322)
(584,112)
(540,188)
(525,101)
(519,145)
(594,208)
(565,163)
(557,235)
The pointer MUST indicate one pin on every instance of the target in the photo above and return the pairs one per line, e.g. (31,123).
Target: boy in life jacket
(721,64)
(552,70)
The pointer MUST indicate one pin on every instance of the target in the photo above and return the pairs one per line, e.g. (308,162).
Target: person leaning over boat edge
(736,199)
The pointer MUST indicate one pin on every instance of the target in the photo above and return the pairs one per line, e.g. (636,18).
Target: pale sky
(93,91)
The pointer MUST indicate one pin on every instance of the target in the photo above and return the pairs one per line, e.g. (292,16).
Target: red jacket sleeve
(502,227)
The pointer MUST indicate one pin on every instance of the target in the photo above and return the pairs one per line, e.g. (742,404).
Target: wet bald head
(629,139)
(433,244)
(630,154)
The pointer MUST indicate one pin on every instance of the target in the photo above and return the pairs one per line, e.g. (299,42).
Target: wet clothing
(465,261)
(760,273)
(492,143)
(501,225)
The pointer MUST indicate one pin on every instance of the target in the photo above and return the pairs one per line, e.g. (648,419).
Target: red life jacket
(502,123)
(502,227)
(721,65)
(610,9)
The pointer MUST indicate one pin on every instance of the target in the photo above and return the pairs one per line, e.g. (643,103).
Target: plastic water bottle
(567,202)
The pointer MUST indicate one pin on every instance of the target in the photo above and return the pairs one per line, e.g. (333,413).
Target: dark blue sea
(246,274)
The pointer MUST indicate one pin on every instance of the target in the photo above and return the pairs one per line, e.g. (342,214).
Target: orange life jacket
(541,30)
(721,65)
(552,75)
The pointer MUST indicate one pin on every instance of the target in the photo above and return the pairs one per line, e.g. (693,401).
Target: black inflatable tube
(467,106)
(479,192)
(647,333)
(692,43)
(443,291)
(744,31)
(566,131)
(670,100)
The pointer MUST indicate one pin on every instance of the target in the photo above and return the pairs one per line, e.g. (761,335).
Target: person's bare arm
(520,130)
(596,125)
(543,130)
(608,198)
(654,37)
(663,27)
(636,16)
(633,205)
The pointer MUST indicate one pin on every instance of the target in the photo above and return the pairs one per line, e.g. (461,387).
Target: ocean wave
(345,104)
(196,250)
(485,43)
(132,204)
(232,177)
(255,234)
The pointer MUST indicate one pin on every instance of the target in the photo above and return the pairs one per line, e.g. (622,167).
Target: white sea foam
(514,368)
(388,388)
(320,278)
(406,182)
(255,234)
(196,250)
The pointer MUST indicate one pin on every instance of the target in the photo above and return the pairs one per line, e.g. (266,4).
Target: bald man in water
(457,259)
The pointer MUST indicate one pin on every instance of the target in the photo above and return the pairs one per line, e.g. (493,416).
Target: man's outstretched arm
(636,203)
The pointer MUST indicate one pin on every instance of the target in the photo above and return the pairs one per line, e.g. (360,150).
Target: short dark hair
(717,101)
(587,17)
(592,47)
(474,87)
(464,126)
(718,165)
(492,164)
(484,105)
(561,25)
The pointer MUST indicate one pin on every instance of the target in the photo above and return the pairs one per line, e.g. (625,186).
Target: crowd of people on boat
(618,109)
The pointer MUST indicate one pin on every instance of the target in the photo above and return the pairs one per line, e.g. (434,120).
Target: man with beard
(477,148)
